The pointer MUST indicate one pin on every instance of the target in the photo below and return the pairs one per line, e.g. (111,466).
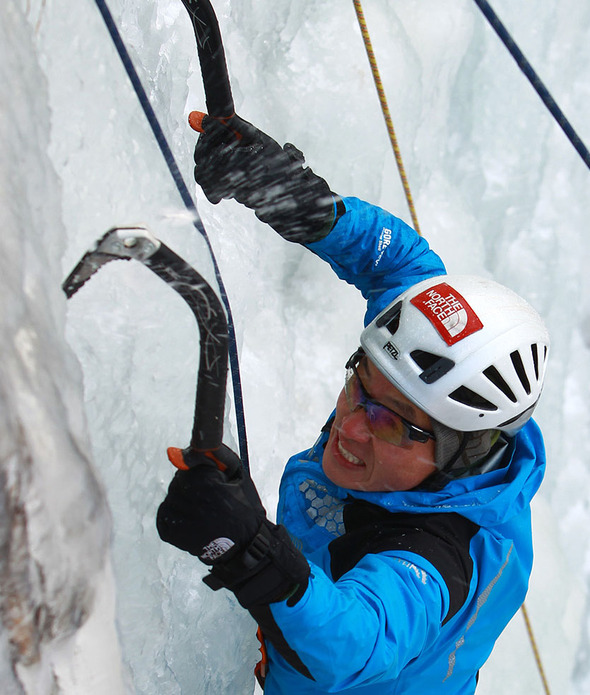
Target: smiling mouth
(348,456)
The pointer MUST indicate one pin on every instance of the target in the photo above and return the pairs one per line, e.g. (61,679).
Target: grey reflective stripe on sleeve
(481,600)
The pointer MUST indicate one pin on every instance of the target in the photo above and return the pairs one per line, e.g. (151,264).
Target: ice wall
(498,189)
(56,587)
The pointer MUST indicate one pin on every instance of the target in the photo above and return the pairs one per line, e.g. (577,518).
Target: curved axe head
(119,243)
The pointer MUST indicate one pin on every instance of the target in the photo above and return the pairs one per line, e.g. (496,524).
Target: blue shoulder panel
(378,253)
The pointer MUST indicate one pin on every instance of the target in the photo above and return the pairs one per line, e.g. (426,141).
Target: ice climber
(403,545)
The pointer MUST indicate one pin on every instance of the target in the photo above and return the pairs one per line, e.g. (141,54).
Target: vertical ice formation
(54,524)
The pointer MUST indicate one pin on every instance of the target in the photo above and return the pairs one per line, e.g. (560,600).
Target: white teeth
(348,456)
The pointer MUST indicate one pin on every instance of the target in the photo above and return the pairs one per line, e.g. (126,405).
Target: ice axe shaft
(220,103)
(207,431)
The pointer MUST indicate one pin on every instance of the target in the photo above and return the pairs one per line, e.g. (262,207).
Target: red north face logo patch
(448,312)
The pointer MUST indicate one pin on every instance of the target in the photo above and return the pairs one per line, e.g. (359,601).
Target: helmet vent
(471,399)
(520,371)
(434,366)
(390,318)
(497,379)
(535,352)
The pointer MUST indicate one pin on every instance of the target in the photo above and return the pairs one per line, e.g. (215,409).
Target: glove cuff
(270,569)
(296,202)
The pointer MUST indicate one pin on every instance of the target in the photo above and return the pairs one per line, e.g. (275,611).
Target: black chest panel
(442,539)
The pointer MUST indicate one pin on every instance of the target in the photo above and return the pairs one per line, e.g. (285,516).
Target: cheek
(403,469)
(341,404)
(342,409)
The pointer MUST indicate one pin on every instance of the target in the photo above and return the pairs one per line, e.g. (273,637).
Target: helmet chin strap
(462,446)
(442,476)
(449,444)
(481,458)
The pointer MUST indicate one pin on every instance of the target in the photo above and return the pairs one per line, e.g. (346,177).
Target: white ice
(92,393)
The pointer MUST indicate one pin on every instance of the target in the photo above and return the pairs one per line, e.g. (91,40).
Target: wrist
(268,570)
(338,210)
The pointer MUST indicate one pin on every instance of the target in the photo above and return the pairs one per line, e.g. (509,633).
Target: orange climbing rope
(400,165)
(533,641)
(385,108)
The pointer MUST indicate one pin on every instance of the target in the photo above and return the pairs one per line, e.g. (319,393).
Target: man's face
(357,459)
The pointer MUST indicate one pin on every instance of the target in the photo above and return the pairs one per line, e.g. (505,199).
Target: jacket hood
(487,499)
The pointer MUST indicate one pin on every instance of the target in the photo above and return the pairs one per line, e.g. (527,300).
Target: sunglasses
(384,423)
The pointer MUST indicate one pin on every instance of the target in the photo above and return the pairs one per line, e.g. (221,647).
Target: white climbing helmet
(466,350)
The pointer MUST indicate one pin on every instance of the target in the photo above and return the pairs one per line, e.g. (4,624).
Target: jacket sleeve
(369,624)
(378,253)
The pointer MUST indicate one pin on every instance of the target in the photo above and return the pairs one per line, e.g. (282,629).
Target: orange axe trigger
(179,458)
(195,120)
(176,458)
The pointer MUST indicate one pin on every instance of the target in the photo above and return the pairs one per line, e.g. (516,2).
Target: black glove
(217,515)
(233,159)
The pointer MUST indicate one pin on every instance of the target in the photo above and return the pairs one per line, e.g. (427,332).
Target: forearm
(365,245)
(321,632)
(234,159)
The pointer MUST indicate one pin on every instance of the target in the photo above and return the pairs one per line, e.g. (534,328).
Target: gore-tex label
(383,243)
(448,312)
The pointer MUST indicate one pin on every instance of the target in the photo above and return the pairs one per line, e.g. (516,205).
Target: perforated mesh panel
(324,509)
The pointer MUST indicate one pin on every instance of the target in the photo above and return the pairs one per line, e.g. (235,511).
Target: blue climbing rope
(534,79)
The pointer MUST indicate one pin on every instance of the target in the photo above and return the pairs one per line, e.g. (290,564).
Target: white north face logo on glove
(216,549)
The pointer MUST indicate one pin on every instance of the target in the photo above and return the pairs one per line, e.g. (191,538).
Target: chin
(337,475)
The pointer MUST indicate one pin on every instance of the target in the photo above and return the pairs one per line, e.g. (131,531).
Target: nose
(355,426)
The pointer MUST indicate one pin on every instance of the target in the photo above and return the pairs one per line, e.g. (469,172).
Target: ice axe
(137,243)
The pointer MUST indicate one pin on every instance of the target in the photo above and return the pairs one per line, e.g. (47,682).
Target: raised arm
(365,245)
(376,252)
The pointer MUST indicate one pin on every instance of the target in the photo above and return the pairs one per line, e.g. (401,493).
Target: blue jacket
(411,598)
